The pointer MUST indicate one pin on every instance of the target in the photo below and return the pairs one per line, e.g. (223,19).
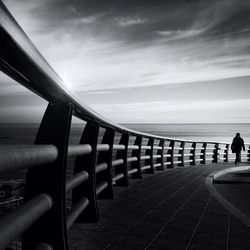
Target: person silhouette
(236,146)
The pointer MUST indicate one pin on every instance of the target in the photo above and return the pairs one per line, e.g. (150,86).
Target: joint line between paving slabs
(172,217)
(199,222)
(149,212)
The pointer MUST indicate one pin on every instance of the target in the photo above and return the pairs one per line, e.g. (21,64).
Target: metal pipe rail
(76,150)
(97,167)
(102,147)
(75,180)
(16,222)
(18,157)
(132,171)
(118,177)
(118,147)
(101,167)
(117,162)
(76,211)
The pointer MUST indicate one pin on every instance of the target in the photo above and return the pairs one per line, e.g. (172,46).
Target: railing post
(171,152)
(215,153)
(123,154)
(226,152)
(106,175)
(87,163)
(193,152)
(137,164)
(50,179)
(161,152)
(248,153)
(204,152)
(181,151)
(150,153)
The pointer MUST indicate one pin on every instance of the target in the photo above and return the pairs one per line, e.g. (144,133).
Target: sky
(136,61)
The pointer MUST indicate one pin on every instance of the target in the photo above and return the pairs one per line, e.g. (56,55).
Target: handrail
(76,150)
(131,159)
(101,167)
(118,177)
(133,147)
(118,147)
(16,222)
(117,162)
(17,157)
(76,211)
(101,186)
(102,147)
(76,180)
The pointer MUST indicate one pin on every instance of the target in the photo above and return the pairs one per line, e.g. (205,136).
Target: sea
(208,132)
(22,133)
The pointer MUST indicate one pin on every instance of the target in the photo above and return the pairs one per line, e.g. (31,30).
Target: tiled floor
(168,210)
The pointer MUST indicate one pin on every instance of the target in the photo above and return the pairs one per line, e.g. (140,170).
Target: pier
(170,210)
(118,188)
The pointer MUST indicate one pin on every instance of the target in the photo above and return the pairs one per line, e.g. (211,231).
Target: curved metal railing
(100,163)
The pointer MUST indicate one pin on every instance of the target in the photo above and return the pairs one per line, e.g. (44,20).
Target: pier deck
(169,210)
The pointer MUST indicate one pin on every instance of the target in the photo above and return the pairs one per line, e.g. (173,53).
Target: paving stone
(158,208)
(168,244)
(206,246)
(86,245)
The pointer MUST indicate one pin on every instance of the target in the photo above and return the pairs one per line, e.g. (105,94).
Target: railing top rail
(35,73)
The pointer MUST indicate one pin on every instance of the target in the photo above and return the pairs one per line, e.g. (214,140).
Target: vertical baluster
(215,153)
(193,152)
(226,151)
(161,152)
(50,178)
(203,151)
(137,153)
(181,151)
(150,161)
(106,175)
(248,153)
(123,154)
(171,153)
(87,163)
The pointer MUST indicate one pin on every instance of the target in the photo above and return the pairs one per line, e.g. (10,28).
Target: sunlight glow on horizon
(110,55)
(66,81)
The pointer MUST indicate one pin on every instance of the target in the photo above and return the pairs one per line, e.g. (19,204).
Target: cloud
(85,20)
(130,21)
(171,112)
(225,89)
(102,92)
(162,106)
(112,46)
(180,34)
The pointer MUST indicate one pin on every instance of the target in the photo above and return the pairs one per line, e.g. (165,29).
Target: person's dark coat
(237,144)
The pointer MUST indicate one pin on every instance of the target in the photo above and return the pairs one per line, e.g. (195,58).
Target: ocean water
(212,132)
(25,133)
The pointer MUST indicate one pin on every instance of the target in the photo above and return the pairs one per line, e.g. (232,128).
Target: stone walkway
(168,210)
